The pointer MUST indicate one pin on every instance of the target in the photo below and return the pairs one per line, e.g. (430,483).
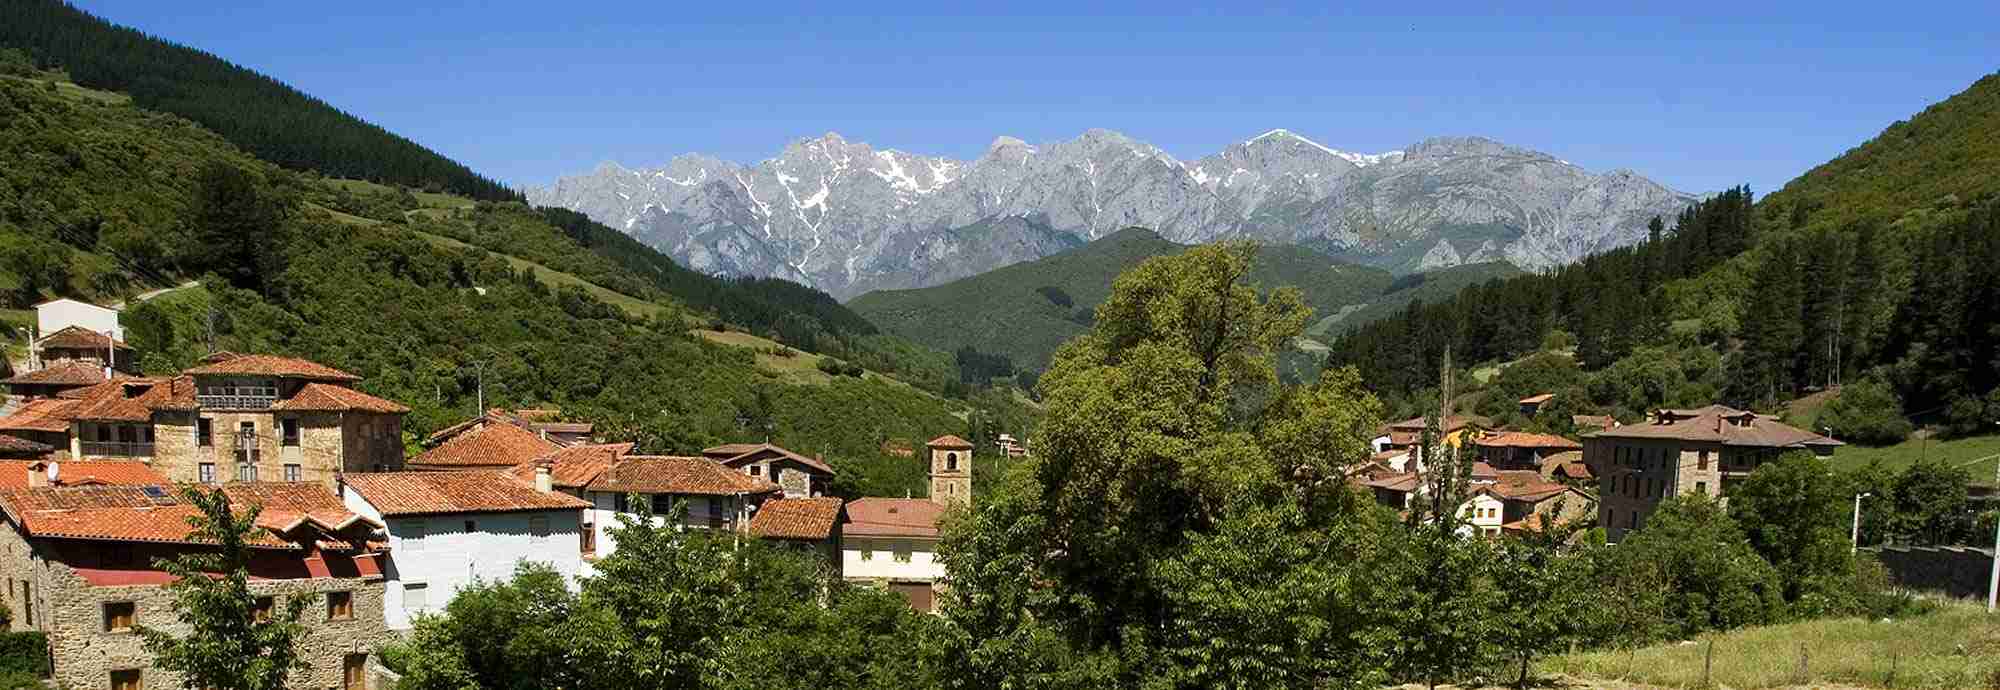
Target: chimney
(38,474)
(543,482)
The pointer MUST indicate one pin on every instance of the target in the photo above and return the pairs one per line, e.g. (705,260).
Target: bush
(24,653)
(1866,412)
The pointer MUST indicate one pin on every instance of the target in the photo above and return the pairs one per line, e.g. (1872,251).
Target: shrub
(1866,412)
(25,653)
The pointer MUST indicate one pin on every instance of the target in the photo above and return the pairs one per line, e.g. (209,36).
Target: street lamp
(1855,537)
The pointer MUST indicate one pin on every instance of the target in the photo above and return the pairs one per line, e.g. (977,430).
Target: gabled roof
(291,514)
(762,450)
(68,373)
(1402,483)
(327,397)
(535,420)
(14,474)
(1522,439)
(17,446)
(227,363)
(652,474)
(79,338)
(575,466)
(892,517)
(797,518)
(730,450)
(493,445)
(949,442)
(45,414)
(1538,399)
(442,493)
(1720,424)
(134,399)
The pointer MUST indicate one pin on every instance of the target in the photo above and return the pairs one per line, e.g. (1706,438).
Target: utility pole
(1993,578)
(479,369)
(1856,536)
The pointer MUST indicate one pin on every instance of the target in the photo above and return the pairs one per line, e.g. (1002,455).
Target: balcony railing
(237,397)
(121,449)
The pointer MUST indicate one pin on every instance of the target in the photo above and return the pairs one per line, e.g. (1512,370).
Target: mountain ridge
(842,215)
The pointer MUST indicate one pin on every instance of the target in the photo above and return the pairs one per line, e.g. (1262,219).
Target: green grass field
(1955,451)
(427,199)
(555,278)
(1957,647)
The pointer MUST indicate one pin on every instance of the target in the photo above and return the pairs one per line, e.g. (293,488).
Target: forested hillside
(1024,311)
(1879,265)
(97,194)
(261,115)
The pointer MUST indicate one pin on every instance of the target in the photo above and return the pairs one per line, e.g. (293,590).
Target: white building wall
(56,315)
(448,557)
(882,564)
(604,514)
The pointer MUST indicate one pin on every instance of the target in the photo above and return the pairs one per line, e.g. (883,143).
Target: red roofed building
(52,380)
(1703,450)
(79,563)
(487,445)
(24,474)
(892,542)
(807,523)
(798,475)
(1520,450)
(83,347)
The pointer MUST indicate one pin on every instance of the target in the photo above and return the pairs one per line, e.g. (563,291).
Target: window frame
(423,590)
(129,610)
(340,605)
(294,472)
(204,432)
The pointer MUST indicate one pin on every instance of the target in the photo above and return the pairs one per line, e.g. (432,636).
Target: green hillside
(1026,310)
(1429,286)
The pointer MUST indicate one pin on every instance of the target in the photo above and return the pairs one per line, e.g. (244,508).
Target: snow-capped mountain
(848,218)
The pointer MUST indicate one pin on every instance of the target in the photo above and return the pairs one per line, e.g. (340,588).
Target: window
(104,433)
(353,672)
(205,473)
(246,472)
(1701,488)
(777,474)
(127,679)
(413,535)
(289,428)
(1632,520)
(756,470)
(118,616)
(951,462)
(339,606)
(538,528)
(867,553)
(618,503)
(903,552)
(416,596)
(247,428)
(471,525)
(293,472)
(204,432)
(28,603)
(662,504)
(1702,460)
(261,612)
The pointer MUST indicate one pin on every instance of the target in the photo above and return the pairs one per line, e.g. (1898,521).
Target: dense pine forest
(261,115)
(1877,267)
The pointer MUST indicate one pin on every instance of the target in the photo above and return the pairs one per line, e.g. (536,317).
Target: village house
(798,475)
(65,313)
(496,440)
(232,418)
(17,448)
(1407,436)
(45,421)
(1520,450)
(1011,447)
(892,542)
(809,524)
(78,561)
(1532,404)
(448,529)
(52,380)
(1704,450)
(27,474)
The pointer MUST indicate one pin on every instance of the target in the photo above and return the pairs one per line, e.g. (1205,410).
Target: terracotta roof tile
(1522,439)
(493,445)
(70,373)
(20,447)
(676,475)
(79,338)
(1538,399)
(326,397)
(796,518)
(892,517)
(1405,482)
(46,414)
(270,365)
(575,466)
(130,513)
(1720,424)
(436,493)
(949,442)
(14,473)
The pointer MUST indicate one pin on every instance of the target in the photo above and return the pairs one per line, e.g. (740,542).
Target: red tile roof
(327,397)
(69,373)
(304,511)
(135,399)
(892,517)
(532,419)
(651,474)
(438,493)
(493,445)
(14,474)
(1522,439)
(79,338)
(762,450)
(729,450)
(1450,424)
(1538,399)
(20,447)
(1601,421)
(949,442)
(1403,483)
(1720,424)
(224,364)
(573,467)
(46,414)
(796,518)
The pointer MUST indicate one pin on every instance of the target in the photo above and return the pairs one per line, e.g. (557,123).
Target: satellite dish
(54,472)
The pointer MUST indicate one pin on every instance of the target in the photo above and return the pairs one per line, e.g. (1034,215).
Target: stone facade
(1635,475)
(328,443)
(951,475)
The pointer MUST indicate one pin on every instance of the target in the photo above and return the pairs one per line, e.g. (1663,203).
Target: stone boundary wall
(1958,571)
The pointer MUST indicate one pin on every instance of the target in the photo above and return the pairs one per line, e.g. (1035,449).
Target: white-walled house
(57,314)
(606,478)
(447,529)
(892,542)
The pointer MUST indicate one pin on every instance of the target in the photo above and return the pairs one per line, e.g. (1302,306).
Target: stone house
(798,475)
(240,418)
(1704,450)
(45,421)
(1407,435)
(892,542)
(810,524)
(78,565)
(448,529)
(492,441)
(50,381)
(1520,450)
(81,346)
(607,477)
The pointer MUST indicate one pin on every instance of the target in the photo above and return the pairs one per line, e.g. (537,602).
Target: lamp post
(1993,578)
(1855,536)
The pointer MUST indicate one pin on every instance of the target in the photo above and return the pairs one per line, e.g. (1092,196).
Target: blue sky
(1701,99)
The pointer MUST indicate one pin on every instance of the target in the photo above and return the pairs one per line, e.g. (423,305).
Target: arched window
(951,462)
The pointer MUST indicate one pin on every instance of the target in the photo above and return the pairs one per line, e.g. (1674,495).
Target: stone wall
(1958,571)
(372,442)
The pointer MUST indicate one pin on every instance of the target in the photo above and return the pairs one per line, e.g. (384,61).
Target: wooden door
(353,672)
(919,594)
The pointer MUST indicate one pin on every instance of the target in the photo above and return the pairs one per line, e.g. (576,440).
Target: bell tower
(951,470)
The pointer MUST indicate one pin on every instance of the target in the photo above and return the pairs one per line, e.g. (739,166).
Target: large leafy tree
(1713,578)
(1794,512)
(229,646)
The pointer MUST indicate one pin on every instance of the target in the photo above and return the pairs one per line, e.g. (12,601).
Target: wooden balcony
(117,449)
